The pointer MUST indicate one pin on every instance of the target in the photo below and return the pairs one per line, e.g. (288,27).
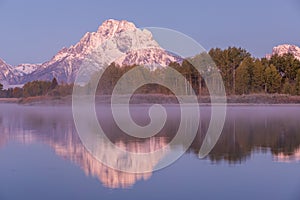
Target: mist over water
(42,157)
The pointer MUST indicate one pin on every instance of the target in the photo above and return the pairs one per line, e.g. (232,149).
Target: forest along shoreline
(251,99)
(247,80)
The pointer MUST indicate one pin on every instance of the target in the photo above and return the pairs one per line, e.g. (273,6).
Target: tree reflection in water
(247,129)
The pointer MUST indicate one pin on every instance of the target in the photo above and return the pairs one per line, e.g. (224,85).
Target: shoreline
(232,100)
(9,100)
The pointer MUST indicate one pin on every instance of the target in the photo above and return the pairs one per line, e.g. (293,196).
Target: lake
(256,157)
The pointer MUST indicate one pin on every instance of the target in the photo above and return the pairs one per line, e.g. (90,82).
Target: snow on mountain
(284,49)
(25,69)
(150,57)
(114,41)
(7,74)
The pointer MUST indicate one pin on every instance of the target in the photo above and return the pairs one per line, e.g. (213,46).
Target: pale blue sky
(32,31)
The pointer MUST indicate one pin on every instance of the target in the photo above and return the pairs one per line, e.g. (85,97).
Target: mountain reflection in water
(247,129)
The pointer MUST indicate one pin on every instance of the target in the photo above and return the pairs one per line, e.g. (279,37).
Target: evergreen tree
(258,76)
(297,84)
(36,88)
(272,79)
(17,92)
(286,64)
(244,76)
(54,84)
(287,89)
(228,61)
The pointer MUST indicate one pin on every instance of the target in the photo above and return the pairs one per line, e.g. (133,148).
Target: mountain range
(114,41)
(117,41)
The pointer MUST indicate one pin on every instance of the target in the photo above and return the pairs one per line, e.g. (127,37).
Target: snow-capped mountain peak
(284,49)
(114,41)
(91,40)
(112,26)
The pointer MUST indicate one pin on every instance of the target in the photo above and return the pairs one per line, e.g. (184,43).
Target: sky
(33,31)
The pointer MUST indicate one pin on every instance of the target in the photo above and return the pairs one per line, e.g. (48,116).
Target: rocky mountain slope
(114,41)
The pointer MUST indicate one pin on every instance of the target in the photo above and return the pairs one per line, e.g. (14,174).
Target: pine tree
(236,56)
(228,61)
(243,76)
(1,87)
(258,76)
(297,84)
(272,79)
(287,89)
(286,64)
(54,84)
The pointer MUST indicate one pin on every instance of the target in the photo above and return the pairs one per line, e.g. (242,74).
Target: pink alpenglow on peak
(114,41)
(112,26)
(284,49)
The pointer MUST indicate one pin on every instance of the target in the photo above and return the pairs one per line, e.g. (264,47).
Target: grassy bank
(9,100)
(157,98)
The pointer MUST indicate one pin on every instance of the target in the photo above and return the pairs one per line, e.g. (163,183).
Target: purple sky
(32,31)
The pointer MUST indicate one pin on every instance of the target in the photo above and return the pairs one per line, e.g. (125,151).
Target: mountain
(284,49)
(62,137)
(114,41)
(6,72)
(9,74)
(25,69)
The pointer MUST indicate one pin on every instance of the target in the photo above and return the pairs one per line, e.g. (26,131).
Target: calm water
(256,157)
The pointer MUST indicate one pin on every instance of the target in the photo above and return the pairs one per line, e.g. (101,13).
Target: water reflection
(247,129)
(290,157)
(258,129)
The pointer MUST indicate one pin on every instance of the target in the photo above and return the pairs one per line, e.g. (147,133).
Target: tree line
(37,88)
(241,73)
